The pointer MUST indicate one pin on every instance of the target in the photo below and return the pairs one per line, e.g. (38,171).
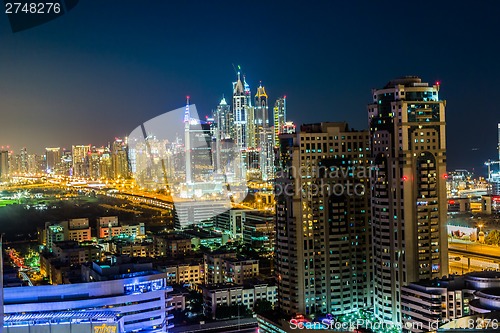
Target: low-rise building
(238,270)
(200,237)
(134,248)
(132,302)
(231,222)
(172,245)
(73,229)
(430,303)
(178,299)
(108,226)
(227,267)
(259,231)
(234,295)
(188,273)
(71,252)
(59,266)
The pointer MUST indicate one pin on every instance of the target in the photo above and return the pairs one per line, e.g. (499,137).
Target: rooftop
(54,316)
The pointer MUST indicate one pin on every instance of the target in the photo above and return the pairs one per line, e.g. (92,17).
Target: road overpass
(465,257)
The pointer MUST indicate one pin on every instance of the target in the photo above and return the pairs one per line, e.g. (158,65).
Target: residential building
(408,196)
(323,239)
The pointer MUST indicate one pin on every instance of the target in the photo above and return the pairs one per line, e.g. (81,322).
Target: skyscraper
(80,160)
(224,120)
(279,113)
(322,252)
(261,110)
(240,104)
(119,159)
(4,165)
(263,135)
(23,167)
(498,145)
(187,142)
(408,184)
(53,159)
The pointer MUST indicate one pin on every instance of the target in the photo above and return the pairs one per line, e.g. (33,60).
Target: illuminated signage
(104,329)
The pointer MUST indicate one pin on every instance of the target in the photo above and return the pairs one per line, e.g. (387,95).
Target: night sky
(107,66)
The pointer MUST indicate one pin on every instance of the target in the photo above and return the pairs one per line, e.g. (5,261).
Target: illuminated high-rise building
(94,159)
(4,165)
(498,145)
(323,243)
(105,163)
(494,176)
(187,143)
(224,120)
(223,132)
(263,135)
(240,104)
(251,129)
(80,160)
(36,163)
(23,166)
(408,184)
(119,159)
(279,115)
(289,127)
(53,160)
(261,111)
(66,163)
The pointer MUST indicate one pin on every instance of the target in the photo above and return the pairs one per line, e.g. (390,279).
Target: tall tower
(53,160)
(224,120)
(408,184)
(322,253)
(4,165)
(263,137)
(279,113)
(24,160)
(241,108)
(187,141)
(80,160)
(261,109)
(498,146)
(240,103)
(119,159)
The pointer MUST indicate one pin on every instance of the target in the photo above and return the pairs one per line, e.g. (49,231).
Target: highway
(234,325)
(482,249)
(25,277)
(468,257)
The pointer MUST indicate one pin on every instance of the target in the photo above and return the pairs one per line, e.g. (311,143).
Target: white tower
(239,110)
(187,141)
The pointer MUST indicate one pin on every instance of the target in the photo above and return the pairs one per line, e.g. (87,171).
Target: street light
(480,234)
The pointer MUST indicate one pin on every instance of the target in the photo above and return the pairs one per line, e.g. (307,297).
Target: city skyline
(253,167)
(87,86)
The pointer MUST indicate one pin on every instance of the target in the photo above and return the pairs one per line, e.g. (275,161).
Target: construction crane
(489,163)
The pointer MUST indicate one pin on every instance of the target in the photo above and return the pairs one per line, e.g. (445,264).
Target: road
(488,250)
(242,325)
(469,257)
(25,277)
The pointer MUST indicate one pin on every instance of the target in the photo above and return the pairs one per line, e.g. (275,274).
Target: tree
(225,311)
(493,238)
(262,305)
